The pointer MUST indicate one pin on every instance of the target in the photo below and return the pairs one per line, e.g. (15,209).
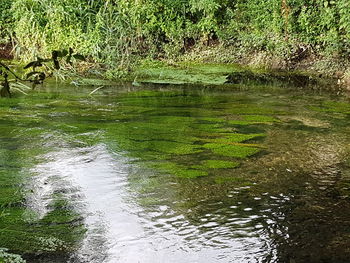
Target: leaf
(69,57)
(5,91)
(79,57)
(56,64)
(54,55)
(62,53)
(33,64)
(39,59)
(4,66)
(69,60)
(42,76)
(20,85)
(33,73)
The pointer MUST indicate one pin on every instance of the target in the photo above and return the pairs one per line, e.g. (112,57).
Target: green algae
(178,170)
(206,127)
(21,232)
(6,257)
(253,119)
(190,173)
(211,119)
(334,107)
(235,138)
(219,164)
(55,232)
(91,82)
(170,147)
(177,133)
(252,109)
(236,151)
(176,139)
(154,93)
(210,68)
(184,73)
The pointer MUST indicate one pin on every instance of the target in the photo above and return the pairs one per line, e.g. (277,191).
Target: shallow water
(175,174)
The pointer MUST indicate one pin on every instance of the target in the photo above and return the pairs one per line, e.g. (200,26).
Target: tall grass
(116,32)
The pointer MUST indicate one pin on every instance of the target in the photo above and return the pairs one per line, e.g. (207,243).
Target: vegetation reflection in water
(254,164)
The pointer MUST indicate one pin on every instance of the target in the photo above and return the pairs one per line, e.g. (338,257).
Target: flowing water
(175,174)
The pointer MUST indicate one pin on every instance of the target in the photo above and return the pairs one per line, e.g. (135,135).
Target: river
(175,173)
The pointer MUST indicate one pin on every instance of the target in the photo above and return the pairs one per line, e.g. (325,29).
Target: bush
(116,32)
(6,22)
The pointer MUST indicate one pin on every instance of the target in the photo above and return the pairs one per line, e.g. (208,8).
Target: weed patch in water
(333,106)
(253,119)
(6,257)
(179,170)
(249,109)
(211,119)
(10,196)
(235,138)
(236,151)
(170,147)
(185,73)
(219,164)
(57,231)
(154,93)
(207,127)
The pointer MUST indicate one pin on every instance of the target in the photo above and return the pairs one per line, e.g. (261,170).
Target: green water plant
(237,151)
(230,138)
(219,164)
(334,107)
(179,170)
(7,257)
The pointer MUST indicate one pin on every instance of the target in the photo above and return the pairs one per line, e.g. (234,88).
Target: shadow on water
(176,174)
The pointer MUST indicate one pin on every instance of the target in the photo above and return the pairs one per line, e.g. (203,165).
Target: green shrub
(118,32)
(6,22)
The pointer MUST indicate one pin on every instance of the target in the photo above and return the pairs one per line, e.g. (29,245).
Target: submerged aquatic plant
(7,257)
(219,164)
(163,130)
(237,151)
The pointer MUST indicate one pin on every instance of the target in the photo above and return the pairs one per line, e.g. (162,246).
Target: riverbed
(175,173)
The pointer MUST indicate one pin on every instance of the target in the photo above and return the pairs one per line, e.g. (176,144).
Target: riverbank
(311,38)
(211,65)
(208,67)
(221,60)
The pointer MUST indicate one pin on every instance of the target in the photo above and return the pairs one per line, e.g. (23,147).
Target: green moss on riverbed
(21,230)
(178,170)
(174,140)
(219,164)
(334,107)
(237,151)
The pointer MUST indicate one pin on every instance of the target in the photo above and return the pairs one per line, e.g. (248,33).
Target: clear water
(175,174)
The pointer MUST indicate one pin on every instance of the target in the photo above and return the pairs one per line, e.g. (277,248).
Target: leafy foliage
(35,76)
(117,32)
(6,20)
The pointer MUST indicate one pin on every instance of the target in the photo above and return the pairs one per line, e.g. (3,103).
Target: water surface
(175,174)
